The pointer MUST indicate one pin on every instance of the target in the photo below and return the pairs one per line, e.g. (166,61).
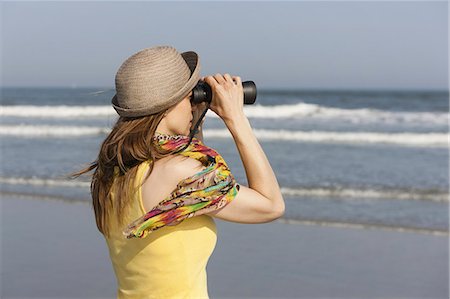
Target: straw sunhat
(153,80)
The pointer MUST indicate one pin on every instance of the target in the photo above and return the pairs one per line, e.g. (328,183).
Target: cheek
(182,118)
(188,110)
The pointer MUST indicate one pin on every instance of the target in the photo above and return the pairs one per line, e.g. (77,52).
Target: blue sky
(304,45)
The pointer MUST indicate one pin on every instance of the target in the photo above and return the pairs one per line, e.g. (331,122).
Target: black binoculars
(202,92)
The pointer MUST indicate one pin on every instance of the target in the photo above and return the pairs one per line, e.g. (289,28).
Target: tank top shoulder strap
(138,205)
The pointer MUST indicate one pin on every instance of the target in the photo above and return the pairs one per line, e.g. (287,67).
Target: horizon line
(260,89)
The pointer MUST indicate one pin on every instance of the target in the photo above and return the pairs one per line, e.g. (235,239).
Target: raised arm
(262,200)
(260,175)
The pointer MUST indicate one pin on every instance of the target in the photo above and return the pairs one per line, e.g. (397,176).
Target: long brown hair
(128,144)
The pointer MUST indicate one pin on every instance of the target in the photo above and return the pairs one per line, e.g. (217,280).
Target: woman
(151,179)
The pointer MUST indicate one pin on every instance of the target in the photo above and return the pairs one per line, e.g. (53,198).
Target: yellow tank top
(168,263)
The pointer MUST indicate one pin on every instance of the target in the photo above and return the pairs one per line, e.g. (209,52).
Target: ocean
(371,159)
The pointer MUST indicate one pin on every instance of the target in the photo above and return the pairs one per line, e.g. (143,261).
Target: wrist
(236,123)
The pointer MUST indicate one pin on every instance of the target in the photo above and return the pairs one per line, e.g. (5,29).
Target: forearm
(260,175)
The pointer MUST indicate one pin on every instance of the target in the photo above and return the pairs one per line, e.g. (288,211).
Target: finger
(237,79)
(219,78)
(211,81)
(228,78)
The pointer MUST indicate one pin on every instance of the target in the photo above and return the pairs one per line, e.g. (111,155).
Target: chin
(186,132)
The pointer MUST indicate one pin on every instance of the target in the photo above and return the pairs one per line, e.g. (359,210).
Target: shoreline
(308,222)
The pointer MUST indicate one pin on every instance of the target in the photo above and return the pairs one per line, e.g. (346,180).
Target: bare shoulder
(179,167)
(165,176)
(174,168)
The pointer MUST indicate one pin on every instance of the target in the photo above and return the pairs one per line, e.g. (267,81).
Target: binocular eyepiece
(202,92)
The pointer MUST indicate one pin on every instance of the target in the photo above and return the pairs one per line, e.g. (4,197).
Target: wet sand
(52,249)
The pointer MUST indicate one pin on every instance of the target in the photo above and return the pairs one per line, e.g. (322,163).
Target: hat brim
(192,60)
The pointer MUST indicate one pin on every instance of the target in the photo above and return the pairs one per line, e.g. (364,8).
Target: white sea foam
(63,111)
(43,182)
(407,139)
(349,193)
(51,131)
(293,111)
(331,192)
(363,115)
(410,139)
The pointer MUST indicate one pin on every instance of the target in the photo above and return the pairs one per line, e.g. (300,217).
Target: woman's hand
(227,96)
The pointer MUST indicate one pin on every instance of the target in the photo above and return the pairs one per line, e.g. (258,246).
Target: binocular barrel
(202,92)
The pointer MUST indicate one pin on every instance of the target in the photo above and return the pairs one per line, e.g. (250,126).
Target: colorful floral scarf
(207,190)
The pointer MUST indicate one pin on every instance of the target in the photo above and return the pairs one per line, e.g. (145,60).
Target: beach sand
(52,249)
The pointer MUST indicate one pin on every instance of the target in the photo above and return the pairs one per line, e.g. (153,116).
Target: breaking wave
(406,138)
(295,111)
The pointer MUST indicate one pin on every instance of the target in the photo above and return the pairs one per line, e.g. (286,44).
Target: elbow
(279,210)
(280,213)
